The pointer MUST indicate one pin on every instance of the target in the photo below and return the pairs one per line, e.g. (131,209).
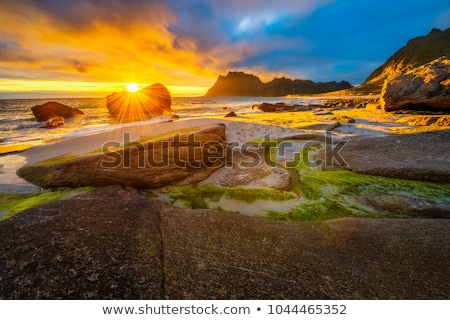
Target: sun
(132,87)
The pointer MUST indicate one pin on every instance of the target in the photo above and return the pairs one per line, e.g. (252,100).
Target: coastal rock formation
(237,84)
(242,84)
(322,126)
(434,121)
(279,107)
(247,166)
(230,115)
(149,102)
(181,158)
(114,243)
(53,109)
(343,119)
(425,87)
(395,156)
(54,122)
(417,52)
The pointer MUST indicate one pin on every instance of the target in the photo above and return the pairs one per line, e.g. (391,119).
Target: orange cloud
(104,46)
(177,43)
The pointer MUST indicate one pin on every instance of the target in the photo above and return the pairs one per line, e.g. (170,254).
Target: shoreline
(242,128)
(364,188)
(221,108)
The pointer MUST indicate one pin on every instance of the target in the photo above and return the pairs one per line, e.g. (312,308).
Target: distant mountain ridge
(415,53)
(242,84)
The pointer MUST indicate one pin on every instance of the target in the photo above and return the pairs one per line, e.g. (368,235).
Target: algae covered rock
(186,157)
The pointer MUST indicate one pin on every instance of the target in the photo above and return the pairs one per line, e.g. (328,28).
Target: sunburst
(132,87)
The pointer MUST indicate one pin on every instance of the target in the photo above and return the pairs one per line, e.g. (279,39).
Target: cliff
(242,84)
(416,52)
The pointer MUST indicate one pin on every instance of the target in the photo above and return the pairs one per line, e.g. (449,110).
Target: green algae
(201,196)
(330,194)
(320,195)
(12,204)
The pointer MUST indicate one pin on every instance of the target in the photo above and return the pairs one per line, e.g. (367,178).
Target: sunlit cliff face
(140,105)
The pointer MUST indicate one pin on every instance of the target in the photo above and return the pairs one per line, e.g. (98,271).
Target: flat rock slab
(421,156)
(104,244)
(114,243)
(220,255)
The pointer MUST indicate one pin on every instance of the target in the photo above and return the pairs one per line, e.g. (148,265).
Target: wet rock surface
(116,243)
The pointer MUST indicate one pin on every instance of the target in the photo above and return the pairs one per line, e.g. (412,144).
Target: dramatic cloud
(187,43)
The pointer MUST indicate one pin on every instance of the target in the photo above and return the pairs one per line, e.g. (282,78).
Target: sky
(64,48)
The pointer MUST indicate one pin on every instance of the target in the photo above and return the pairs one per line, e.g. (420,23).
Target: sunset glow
(89,48)
(132,87)
(47,88)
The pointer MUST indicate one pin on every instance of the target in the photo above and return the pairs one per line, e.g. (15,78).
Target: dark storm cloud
(341,37)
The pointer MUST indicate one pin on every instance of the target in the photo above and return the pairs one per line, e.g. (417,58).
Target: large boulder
(149,102)
(180,158)
(425,87)
(53,109)
(396,156)
(279,107)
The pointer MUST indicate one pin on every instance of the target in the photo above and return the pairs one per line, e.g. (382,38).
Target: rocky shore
(115,243)
(355,205)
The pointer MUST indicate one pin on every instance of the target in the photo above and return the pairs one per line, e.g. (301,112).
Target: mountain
(242,84)
(417,52)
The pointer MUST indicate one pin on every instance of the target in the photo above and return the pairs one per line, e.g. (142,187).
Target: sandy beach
(244,127)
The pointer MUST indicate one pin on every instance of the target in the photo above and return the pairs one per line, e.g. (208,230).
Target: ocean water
(18,124)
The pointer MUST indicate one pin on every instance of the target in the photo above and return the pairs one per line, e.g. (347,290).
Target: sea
(19,126)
